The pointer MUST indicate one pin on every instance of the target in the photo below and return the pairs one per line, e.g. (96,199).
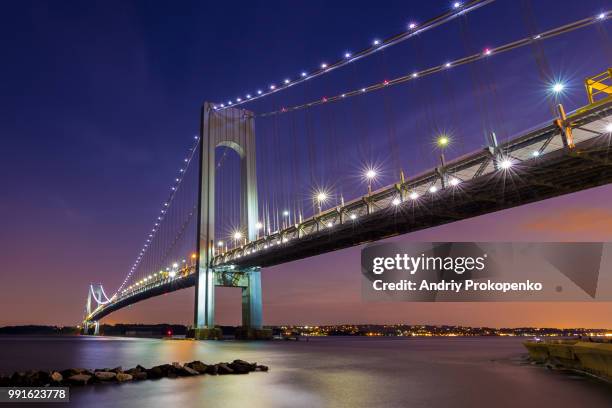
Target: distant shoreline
(288,332)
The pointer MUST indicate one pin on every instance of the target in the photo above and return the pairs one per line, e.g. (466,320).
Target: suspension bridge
(220,228)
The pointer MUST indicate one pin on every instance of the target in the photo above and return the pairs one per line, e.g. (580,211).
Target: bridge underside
(557,174)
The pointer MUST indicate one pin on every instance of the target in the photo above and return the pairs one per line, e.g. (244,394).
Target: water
(323,372)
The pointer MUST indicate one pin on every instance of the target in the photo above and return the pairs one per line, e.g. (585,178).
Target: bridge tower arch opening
(233,128)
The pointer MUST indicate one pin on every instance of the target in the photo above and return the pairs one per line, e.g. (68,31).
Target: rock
(56,377)
(140,368)
(79,379)
(139,376)
(69,372)
(190,371)
(154,373)
(18,379)
(105,375)
(242,367)
(38,378)
(212,369)
(123,377)
(183,370)
(199,366)
(223,368)
(117,370)
(261,368)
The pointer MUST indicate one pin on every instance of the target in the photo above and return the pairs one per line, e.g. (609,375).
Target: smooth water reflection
(323,372)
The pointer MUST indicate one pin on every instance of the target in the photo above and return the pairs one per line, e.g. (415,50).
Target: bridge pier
(249,280)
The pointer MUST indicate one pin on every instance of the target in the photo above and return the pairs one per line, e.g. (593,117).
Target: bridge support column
(233,128)
(96,328)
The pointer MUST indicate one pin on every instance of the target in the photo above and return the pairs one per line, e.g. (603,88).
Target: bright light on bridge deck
(608,128)
(396,201)
(272,87)
(352,216)
(286,213)
(175,265)
(447,65)
(412,26)
(259,225)
(304,74)
(414,195)
(601,16)
(237,235)
(376,42)
(323,65)
(535,153)
(172,274)
(321,196)
(329,225)
(442,141)
(433,189)
(456,5)
(506,164)
(347,55)
(370,174)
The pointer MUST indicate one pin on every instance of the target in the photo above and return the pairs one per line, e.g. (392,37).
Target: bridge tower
(233,128)
(94,294)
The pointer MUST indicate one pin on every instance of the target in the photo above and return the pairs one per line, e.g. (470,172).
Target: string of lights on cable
(413,28)
(164,209)
(486,53)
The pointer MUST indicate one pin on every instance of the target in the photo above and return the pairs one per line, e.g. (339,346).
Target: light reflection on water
(323,372)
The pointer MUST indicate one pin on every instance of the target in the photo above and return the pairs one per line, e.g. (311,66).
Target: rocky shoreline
(82,376)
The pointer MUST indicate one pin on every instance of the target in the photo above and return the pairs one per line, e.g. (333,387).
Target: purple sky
(100,100)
